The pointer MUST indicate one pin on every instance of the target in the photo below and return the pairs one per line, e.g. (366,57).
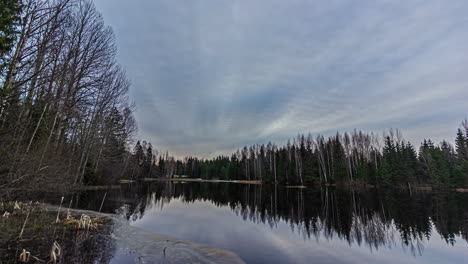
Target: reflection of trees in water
(373,218)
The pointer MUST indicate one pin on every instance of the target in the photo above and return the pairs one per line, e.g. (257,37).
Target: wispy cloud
(211,76)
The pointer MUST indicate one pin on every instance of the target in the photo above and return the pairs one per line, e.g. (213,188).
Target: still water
(268,224)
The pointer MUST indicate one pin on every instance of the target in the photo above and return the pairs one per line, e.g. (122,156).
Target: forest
(349,158)
(66,120)
(65,116)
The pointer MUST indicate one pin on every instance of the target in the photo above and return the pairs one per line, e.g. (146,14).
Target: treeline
(64,112)
(149,163)
(65,119)
(355,158)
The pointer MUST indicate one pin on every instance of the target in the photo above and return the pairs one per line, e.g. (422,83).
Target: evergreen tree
(139,157)
(388,161)
(408,165)
(338,160)
(462,146)
(461,172)
(148,161)
(162,166)
(9,18)
(139,153)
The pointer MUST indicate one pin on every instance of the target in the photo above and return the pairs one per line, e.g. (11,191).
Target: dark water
(267,224)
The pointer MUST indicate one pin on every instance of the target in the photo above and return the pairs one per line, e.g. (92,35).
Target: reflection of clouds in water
(245,220)
(203,222)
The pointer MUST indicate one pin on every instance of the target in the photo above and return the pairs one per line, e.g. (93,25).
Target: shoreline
(428,188)
(111,236)
(203,180)
(143,245)
(350,185)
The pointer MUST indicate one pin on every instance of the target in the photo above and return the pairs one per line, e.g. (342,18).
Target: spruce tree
(388,159)
(461,143)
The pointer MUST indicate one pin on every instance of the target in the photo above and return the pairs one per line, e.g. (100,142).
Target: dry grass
(85,222)
(126,181)
(24,224)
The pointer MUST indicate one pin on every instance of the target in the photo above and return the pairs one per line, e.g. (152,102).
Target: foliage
(9,19)
(354,158)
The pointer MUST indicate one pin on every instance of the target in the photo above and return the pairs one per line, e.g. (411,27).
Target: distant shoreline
(417,187)
(258,182)
(203,180)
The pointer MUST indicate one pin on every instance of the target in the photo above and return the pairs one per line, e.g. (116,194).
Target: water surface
(268,224)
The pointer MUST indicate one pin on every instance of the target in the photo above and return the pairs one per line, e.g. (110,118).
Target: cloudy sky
(210,76)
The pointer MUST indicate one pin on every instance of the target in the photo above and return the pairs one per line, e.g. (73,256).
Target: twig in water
(58,213)
(102,201)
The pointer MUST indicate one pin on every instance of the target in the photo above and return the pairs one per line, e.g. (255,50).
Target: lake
(275,224)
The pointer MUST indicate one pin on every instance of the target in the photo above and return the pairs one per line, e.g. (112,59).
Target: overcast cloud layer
(210,76)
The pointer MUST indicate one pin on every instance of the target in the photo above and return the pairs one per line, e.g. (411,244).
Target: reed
(58,213)
(55,252)
(24,224)
(24,256)
(39,220)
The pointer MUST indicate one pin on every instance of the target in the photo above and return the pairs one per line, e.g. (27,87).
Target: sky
(211,76)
